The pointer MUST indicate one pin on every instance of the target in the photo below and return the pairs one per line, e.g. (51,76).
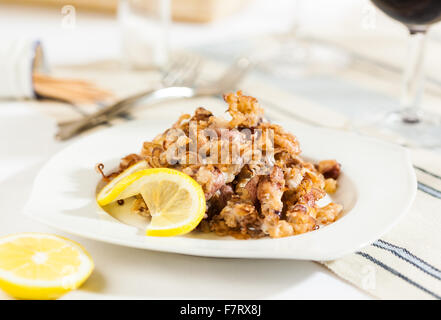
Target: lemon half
(176,202)
(42,266)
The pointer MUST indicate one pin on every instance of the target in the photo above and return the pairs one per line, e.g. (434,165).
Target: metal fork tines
(183,71)
(178,88)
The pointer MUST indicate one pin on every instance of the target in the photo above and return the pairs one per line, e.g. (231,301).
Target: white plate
(377,187)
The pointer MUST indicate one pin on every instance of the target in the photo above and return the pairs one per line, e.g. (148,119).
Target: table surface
(132,273)
(27,142)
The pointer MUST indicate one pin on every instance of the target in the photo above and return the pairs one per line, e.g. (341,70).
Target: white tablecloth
(26,142)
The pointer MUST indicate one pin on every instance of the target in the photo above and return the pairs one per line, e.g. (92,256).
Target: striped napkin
(405,263)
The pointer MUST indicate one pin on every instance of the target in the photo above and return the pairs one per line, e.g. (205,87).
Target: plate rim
(412,189)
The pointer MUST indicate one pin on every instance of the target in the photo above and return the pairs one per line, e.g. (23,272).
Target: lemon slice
(127,172)
(42,266)
(176,202)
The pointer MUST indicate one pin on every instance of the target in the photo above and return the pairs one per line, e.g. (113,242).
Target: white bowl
(377,187)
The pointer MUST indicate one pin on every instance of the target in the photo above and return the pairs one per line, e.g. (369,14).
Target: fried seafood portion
(329,214)
(130,160)
(302,218)
(140,207)
(255,182)
(240,218)
(244,110)
(329,168)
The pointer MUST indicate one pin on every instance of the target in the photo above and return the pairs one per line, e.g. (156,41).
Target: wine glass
(289,53)
(418,128)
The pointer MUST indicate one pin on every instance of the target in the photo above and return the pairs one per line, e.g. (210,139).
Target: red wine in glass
(412,12)
(410,122)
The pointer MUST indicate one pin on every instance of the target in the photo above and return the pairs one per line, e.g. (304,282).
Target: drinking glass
(145,32)
(418,127)
(289,53)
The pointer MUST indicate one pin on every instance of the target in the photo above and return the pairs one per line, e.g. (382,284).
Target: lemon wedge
(42,266)
(175,201)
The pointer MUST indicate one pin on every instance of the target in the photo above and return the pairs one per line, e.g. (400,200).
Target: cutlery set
(178,81)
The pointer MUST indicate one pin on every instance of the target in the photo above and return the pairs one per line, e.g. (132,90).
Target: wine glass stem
(413,82)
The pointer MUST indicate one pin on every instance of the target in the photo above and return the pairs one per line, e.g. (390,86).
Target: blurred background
(78,30)
(347,50)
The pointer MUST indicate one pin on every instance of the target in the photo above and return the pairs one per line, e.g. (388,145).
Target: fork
(228,81)
(183,71)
